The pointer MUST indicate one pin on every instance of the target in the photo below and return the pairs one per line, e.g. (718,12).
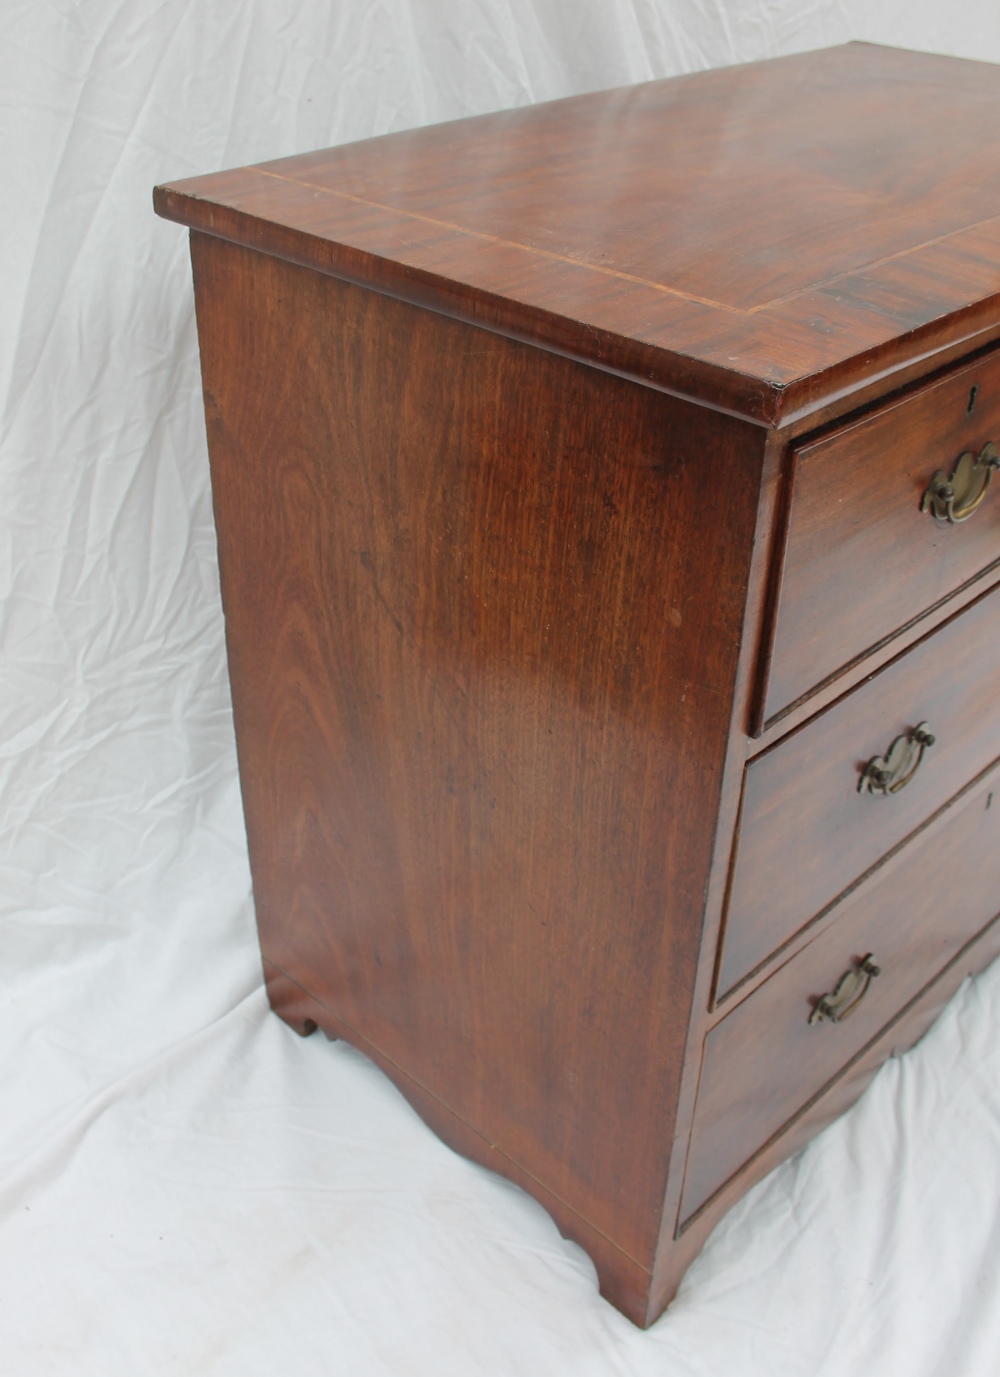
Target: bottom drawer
(765,1060)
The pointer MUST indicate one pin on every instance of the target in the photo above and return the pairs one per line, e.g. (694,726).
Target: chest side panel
(483,611)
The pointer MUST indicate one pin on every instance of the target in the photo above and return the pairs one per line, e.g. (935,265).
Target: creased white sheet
(185,1187)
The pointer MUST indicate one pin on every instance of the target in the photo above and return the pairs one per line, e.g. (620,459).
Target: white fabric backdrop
(185,1187)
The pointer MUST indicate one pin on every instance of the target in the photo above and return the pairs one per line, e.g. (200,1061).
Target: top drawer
(861,558)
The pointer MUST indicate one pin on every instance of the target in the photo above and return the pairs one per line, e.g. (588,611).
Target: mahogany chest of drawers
(611,572)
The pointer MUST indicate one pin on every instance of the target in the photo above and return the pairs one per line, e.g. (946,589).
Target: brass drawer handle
(887,774)
(953,500)
(851,990)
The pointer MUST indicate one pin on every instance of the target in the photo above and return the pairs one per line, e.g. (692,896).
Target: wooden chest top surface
(758,237)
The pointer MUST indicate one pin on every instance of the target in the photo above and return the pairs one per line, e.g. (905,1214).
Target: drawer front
(861,558)
(807,833)
(765,1061)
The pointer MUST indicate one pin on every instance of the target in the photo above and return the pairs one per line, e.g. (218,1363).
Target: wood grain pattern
(904,1031)
(860,670)
(806,833)
(862,559)
(736,236)
(764,1061)
(475,663)
(755,619)
(624,1282)
(506,426)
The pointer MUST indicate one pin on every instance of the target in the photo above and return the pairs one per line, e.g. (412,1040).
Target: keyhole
(989,801)
(972,400)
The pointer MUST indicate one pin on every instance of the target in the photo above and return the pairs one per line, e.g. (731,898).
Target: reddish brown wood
(806,833)
(755,622)
(862,559)
(501,419)
(764,1061)
(861,670)
(623,1281)
(903,1032)
(736,235)
(466,643)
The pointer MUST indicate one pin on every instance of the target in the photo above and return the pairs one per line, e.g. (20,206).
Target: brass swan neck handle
(953,500)
(887,774)
(851,990)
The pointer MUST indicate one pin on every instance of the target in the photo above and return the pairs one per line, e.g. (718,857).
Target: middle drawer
(807,833)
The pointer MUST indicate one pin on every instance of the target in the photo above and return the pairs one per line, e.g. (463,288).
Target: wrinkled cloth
(185,1186)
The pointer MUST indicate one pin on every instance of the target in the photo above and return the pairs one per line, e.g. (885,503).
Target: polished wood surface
(862,559)
(806,833)
(525,433)
(761,739)
(624,1281)
(764,1061)
(687,1238)
(467,644)
(640,1297)
(738,236)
